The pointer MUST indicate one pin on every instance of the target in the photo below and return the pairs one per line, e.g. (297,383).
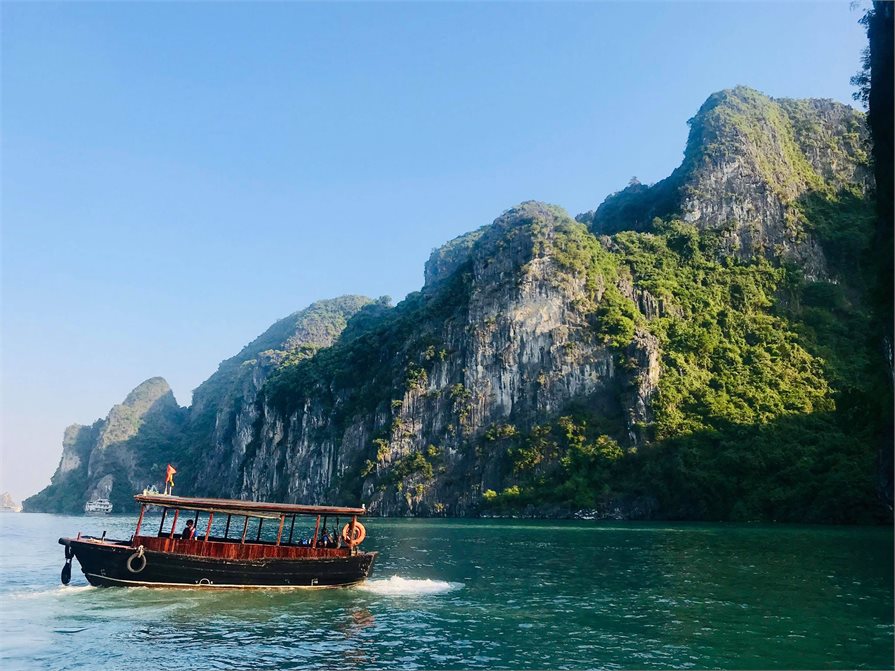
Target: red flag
(170,475)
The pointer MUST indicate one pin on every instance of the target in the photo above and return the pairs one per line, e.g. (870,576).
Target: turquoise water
(452,594)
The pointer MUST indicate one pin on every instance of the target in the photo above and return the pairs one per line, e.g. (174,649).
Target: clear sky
(175,177)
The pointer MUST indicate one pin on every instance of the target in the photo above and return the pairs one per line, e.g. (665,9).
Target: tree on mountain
(874,83)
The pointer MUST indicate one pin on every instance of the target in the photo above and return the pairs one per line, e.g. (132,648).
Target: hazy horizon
(178,177)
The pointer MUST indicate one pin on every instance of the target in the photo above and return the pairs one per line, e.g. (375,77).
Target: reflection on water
(470,594)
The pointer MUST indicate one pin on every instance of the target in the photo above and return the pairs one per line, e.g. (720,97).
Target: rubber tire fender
(137,555)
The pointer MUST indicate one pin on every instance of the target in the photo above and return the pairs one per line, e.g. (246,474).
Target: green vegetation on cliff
(119,455)
(219,400)
(767,406)
(773,395)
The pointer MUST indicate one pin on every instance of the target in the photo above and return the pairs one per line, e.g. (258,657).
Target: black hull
(106,565)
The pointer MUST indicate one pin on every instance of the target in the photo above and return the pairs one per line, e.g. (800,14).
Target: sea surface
(449,594)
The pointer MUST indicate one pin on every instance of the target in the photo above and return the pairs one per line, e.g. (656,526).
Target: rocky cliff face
(496,337)
(225,410)
(655,357)
(116,456)
(128,450)
(750,165)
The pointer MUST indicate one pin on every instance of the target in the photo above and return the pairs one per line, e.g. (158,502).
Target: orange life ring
(359,534)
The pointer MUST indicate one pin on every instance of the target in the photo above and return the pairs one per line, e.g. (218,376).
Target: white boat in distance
(98,506)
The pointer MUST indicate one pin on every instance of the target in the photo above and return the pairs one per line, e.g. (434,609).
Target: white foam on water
(398,586)
(61,590)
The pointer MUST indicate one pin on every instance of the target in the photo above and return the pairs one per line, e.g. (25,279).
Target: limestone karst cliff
(393,412)
(225,407)
(117,456)
(752,168)
(697,349)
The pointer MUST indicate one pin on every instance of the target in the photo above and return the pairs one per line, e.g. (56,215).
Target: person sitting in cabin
(189,531)
(325,539)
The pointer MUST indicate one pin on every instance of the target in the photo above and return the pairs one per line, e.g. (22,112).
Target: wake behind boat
(247,554)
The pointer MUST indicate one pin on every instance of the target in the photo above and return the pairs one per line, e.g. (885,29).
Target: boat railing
(201,538)
(236,550)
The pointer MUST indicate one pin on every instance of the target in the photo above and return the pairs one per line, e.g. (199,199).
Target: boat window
(262,530)
(214,526)
(295,529)
(300,530)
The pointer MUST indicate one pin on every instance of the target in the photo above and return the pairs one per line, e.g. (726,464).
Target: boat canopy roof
(237,507)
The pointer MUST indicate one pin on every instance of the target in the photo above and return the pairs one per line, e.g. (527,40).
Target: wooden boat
(247,554)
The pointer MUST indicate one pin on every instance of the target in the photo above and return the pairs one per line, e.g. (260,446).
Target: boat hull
(105,564)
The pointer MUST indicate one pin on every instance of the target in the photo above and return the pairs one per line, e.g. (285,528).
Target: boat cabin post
(208,528)
(162,523)
(174,523)
(140,519)
(316,531)
(280,532)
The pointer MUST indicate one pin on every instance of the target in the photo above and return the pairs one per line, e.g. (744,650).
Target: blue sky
(175,177)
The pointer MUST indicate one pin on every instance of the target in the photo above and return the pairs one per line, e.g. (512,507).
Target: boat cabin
(247,530)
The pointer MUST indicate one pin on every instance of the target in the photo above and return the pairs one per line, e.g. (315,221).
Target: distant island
(701,348)
(7,505)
